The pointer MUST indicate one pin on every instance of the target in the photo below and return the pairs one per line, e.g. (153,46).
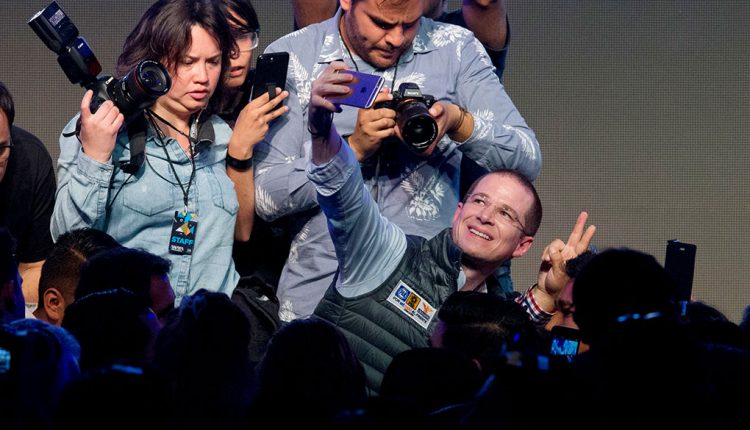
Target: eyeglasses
(5,149)
(501,212)
(252,36)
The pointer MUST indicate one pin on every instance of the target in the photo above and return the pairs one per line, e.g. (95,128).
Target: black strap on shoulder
(137,141)
(137,128)
(206,135)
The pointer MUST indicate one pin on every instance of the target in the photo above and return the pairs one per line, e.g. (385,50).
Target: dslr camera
(137,90)
(418,128)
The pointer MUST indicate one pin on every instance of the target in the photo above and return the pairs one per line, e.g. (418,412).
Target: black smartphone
(680,264)
(270,73)
(565,342)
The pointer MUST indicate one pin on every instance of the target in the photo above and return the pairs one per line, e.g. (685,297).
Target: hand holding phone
(364,88)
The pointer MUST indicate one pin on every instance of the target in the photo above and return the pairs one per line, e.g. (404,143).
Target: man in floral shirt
(417,191)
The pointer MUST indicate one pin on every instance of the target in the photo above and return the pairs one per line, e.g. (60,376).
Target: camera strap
(137,144)
(201,133)
(206,135)
(185,188)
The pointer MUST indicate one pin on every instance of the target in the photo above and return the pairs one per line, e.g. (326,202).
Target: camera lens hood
(418,128)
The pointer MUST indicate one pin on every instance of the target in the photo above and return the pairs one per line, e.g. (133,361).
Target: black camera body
(418,127)
(140,87)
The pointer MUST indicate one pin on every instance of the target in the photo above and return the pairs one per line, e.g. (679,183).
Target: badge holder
(182,239)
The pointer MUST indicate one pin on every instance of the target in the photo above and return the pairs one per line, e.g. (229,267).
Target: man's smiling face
(488,226)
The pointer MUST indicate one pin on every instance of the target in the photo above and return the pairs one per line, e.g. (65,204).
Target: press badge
(412,304)
(182,239)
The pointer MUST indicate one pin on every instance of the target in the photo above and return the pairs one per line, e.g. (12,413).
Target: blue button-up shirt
(138,210)
(417,194)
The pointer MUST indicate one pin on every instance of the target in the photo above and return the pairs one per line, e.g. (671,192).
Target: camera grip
(96,103)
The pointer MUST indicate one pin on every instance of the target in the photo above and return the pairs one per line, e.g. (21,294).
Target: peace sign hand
(552,277)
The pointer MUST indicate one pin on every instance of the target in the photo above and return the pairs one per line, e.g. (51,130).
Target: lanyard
(160,135)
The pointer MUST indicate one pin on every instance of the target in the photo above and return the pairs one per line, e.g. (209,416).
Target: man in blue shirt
(418,191)
(487,19)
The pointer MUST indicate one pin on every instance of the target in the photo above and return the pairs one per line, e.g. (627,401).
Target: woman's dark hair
(234,99)
(164,34)
(245,11)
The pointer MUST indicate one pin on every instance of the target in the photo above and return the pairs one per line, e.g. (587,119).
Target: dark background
(642,109)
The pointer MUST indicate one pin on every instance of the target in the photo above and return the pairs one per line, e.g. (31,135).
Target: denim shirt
(418,194)
(138,210)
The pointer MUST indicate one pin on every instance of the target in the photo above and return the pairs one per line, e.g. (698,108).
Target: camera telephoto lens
(150,80)
(140,88)
(418,128)
(153,78)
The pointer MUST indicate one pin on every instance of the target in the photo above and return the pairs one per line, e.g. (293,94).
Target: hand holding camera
(373,126)
(416,119)
(99,129)
(123,99)
(422,121)
(416,126)
(404,114)
(137,90)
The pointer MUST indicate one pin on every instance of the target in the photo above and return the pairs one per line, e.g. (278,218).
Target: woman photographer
(181,202)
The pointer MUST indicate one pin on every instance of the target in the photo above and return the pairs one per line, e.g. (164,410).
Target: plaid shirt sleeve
(538,315)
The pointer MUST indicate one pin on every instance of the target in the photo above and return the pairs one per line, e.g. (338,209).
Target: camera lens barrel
(152,78)
(140,88)
(418,128)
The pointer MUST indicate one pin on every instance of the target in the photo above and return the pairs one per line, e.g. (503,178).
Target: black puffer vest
(377,324)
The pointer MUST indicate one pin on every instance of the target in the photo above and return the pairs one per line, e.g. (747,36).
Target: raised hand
(552,277)
(99,130)
(330,83)
(253,123)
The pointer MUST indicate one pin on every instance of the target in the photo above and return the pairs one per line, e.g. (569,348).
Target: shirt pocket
(223,194)
(148,198)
